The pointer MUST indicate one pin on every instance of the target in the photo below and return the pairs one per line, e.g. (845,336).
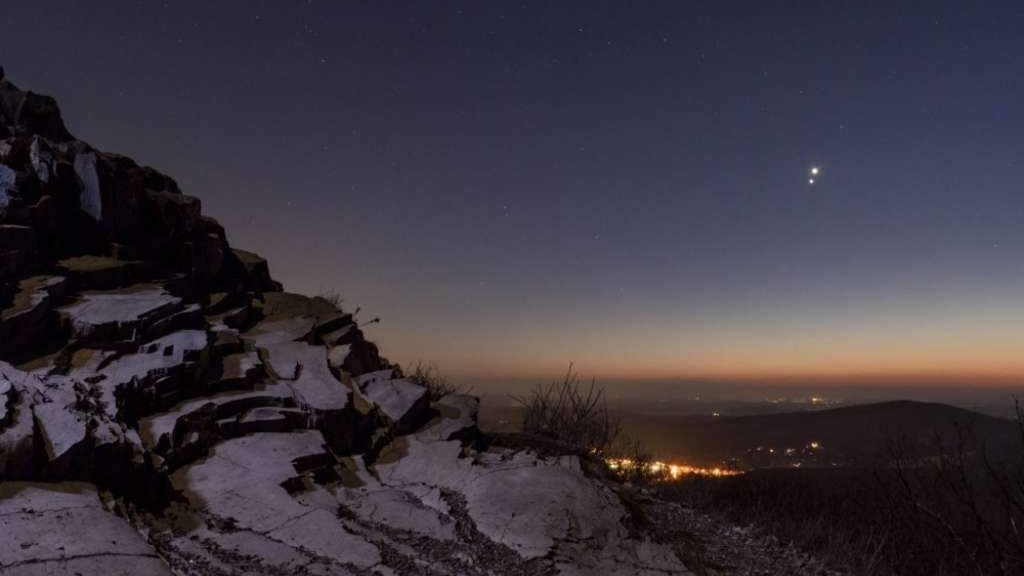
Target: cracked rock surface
(166,408)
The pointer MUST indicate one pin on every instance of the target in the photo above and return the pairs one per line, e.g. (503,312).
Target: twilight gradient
(512,186)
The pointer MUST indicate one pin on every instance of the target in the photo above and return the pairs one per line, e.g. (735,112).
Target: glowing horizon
(509,198)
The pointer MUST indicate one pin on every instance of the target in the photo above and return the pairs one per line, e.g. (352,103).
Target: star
(814,171)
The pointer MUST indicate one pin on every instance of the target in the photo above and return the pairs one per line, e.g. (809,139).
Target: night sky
(511,186)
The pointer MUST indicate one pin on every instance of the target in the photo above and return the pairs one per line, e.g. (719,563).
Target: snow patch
(89,198)
(7,178)
(41,160)
(396,398)
(120,307)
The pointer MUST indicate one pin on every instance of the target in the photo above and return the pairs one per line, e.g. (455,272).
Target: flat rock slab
(537,507)
(119,314)
(295,316)
(63,529)
(404,403)
(243,481)
(315,386)
(100,272)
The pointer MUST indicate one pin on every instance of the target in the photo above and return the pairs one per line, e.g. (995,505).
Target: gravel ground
(713,547)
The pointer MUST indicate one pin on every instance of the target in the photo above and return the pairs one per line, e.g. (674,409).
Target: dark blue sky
(512,186)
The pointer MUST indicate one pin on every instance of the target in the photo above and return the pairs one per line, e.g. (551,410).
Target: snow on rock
(63,529)
(62,429)
(41,159)
(456,419)
(186,423)
(538,507)
(168,362)
(422,511)
(118,314)
(279,330)
(337,355)
(405,404)
(365,380)
(17,433)
(528,504)
(243,481)
(90,200)
(240,370)
(7,179)
(315,386)
(5,390)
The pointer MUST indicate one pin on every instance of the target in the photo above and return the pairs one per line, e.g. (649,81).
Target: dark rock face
(246,429)
(76,200)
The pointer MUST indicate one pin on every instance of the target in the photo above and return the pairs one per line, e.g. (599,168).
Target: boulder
(406,405)
(28,322)
(255,272)
(64,435)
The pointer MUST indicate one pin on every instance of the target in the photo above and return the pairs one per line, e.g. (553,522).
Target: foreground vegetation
(959,513)
(571,413)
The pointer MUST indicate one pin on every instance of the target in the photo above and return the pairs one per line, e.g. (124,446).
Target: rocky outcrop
(156,381)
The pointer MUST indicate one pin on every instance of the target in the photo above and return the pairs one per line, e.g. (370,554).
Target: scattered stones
(722,548)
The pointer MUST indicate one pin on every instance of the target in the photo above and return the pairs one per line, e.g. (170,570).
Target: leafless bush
(334,298)
(956,512)
(570,413)
(638,471)
(971,503)
(428,376)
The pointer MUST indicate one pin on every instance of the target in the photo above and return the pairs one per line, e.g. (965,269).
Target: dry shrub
(334,298)
(640,472)
(958,513)
(570,413)
(428,376)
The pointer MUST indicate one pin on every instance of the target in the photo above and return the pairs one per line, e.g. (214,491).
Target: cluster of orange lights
(670,471)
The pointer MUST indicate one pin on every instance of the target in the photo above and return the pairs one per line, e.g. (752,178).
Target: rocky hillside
(166,408)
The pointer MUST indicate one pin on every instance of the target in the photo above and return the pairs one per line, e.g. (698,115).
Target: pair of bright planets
(814,171)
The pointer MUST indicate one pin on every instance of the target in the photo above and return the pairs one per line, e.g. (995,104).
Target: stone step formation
(165,407)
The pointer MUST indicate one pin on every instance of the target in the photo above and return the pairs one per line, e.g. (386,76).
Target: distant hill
(848,433)
(845,435)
